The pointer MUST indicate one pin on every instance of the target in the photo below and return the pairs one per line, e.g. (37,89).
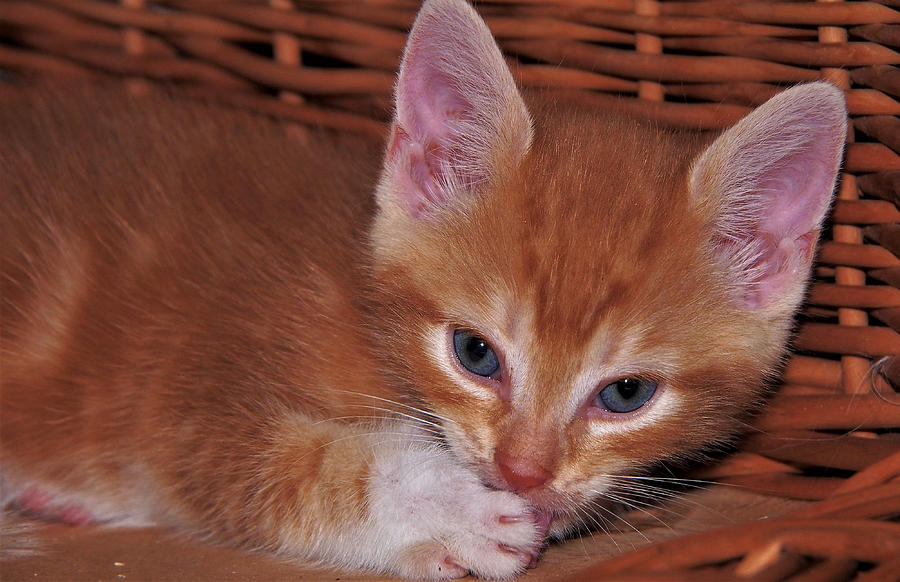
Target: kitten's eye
(626,395)
(475,353)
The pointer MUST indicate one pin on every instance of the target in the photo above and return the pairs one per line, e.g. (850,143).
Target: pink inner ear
(779,265)
(435,104)
(795,190)
(423,183)
(771,177)
(423,141)
(457,110)
(793,195)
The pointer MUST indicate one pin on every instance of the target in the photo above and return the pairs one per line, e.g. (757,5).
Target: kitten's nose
(520,474)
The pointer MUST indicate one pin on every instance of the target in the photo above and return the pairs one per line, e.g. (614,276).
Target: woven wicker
(831,434)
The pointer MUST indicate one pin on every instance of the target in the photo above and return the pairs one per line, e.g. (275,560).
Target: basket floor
(94,554)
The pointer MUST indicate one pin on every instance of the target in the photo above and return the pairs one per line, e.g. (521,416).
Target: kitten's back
(156,252)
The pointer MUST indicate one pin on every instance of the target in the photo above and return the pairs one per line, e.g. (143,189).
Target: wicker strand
(287,51)
(648,44)
(855,368)
(135,44)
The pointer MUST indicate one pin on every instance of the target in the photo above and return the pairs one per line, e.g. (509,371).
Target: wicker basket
(831,435)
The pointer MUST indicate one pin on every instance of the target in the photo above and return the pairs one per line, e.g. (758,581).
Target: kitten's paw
(448,524)
(491,534)
(503,539)
(429,561)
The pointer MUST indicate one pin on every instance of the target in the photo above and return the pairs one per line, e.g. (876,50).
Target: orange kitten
(208,326)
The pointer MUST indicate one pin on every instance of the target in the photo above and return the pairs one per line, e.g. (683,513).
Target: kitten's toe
(430,561)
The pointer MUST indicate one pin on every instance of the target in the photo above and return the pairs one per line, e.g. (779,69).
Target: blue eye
(626,395)
(475,353)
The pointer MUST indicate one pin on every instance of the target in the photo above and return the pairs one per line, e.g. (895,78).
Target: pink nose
(520,474)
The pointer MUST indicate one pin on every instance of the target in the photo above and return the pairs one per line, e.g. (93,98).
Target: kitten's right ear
(767,183)
(459,116)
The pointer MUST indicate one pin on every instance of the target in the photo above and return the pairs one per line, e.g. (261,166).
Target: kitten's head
(575,295)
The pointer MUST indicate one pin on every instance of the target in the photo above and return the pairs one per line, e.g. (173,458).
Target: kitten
(209,326)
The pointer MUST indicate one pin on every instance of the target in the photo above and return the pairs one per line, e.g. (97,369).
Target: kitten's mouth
(541,497)
(547,505)
(543,518)
(552,517)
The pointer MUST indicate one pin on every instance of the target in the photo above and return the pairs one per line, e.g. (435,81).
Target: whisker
(648,490)
(670,499)
(584,512)
(675,480)
(637,506)
(621,484)
(426,428)
(405,415)
(397,403)
(646,485)
(622,519)
(648,500)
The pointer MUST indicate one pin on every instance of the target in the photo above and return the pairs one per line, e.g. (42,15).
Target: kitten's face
(576,297)
(567,325)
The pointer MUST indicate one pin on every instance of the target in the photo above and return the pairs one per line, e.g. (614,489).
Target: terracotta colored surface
(156,555)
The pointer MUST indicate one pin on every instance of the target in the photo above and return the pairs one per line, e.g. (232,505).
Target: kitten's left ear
(459,116)
(769,180)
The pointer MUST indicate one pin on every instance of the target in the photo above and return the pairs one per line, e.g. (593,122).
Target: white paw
(441,522)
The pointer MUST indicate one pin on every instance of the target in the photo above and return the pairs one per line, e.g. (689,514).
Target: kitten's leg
(382,498)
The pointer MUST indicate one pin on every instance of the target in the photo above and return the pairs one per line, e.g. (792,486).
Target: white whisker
(621,519)
(642,486)
(637,506)
(401,404)
(417,425)
(409,416)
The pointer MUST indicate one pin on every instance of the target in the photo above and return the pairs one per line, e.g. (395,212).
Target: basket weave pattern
(831,434)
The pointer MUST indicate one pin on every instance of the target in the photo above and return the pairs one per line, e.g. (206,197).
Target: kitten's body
(135,296)
(200,330)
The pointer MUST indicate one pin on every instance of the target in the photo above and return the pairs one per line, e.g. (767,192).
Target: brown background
(94,554)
